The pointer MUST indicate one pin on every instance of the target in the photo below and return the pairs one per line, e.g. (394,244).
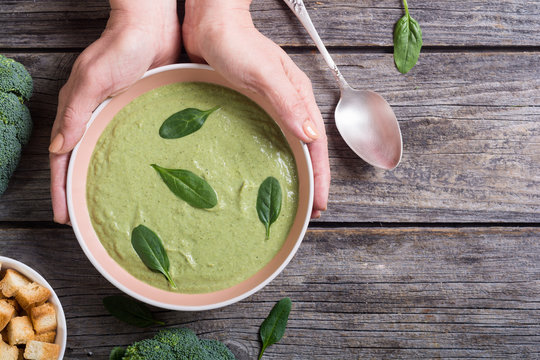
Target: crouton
(47,337)
(37,350)
(3,335)
(13,303)
(19,330)
(43,317)
(12,282)
(32,294)
(8,352)
(7,311)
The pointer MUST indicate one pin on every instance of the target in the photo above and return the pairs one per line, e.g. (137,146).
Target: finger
(76,101)
(321,173)
(59,164)
(319,148)
(315,214)
(272,82)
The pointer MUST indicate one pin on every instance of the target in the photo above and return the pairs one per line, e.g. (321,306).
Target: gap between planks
(7,225)
(300,49)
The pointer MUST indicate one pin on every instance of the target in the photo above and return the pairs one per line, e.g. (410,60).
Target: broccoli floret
(177,344)
(177,336)
(15,122)
(149,349)
(15,114)
(184,343)
(217,349)
(10,154)
(15,79)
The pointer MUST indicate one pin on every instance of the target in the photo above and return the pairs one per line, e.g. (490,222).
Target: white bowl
(31,274)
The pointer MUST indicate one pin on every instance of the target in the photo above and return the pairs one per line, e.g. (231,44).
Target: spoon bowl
(377,142)
(364,119)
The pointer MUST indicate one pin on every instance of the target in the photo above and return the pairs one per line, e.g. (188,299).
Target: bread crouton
(8,352)
(12,282)
(37,350)
(32,294)
(47,337)
(13,303)
(7,311)
(43,317)
(19,330)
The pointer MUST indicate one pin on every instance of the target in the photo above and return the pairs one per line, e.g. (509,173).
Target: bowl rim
(138,296)
(27,271)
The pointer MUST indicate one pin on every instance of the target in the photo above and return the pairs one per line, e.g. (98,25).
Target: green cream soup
(237,148)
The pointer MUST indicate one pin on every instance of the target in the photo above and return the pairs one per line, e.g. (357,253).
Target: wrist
(205,19)
(152,17)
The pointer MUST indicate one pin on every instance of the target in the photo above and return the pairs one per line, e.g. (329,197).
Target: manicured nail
(309,130)
(57,143)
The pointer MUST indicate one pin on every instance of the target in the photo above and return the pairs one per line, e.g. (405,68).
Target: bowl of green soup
(184,191)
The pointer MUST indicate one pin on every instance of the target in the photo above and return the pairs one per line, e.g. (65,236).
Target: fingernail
(57,143)
(309,130)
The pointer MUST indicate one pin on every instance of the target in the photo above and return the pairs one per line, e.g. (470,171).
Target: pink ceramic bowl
(80,219)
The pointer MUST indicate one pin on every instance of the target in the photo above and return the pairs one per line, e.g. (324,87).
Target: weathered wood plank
(470,129)
(357,293)
(67,23)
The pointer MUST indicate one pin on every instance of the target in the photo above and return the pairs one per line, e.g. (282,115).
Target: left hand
(222,34)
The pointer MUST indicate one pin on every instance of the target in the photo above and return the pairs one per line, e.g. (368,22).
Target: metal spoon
(364,119)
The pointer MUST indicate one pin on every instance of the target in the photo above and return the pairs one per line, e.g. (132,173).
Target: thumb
(76,101)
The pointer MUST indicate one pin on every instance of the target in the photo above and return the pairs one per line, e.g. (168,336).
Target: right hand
(140,35)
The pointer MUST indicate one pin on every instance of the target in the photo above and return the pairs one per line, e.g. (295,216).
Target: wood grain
(470,130)
(357,293)
(75,24)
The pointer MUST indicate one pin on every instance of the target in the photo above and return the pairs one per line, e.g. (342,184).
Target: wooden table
(439,258)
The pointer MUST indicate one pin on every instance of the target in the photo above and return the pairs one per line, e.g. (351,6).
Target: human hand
(222,34)
(140,35)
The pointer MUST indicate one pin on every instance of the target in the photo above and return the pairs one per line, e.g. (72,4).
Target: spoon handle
(299,9)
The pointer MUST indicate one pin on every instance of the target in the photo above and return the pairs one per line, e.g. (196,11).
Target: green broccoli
(149,349)
(15,122)
(10,154)
(217,349)
(15,79)
(15,114)
(177,344)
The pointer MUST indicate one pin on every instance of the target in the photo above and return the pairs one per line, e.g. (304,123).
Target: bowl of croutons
(32,322)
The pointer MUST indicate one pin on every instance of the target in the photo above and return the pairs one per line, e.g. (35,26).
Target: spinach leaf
(129,311)
(117,353)
(273,327)
(269,202)
(189,187)
(151,251)
(184,122)
(407,42)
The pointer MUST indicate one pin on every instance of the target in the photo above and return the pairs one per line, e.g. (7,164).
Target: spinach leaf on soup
(269,202)
(184,122)
(189,187)
(151,251)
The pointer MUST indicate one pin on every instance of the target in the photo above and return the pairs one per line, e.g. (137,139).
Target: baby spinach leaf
(189,187)
(273,327)
(151,251)
(129,311)
(184,122)
(407,42)
(269,202)
(117,353)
